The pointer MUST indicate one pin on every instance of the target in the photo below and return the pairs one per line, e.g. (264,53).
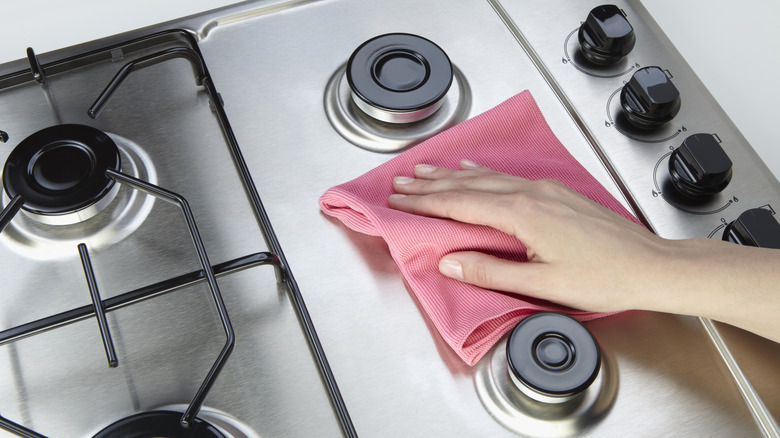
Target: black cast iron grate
(190,51)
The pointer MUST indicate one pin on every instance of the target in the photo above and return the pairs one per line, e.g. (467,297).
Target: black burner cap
(399,72)
(61,169)
(158,424)
(553,354)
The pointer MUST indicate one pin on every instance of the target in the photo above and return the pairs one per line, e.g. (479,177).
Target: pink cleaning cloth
(512,138)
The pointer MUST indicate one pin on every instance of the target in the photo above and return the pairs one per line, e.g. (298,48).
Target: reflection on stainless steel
(528,417)
(76,216)
(540,397)
(388,116)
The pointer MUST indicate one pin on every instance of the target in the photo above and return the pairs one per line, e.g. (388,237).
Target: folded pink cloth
(512,138)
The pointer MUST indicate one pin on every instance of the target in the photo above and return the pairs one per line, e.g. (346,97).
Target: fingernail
(397,196)
(403,180)
(468,163)
(451,268)
(424,168)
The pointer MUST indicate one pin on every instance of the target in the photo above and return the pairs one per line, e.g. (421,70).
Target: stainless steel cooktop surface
(246,114)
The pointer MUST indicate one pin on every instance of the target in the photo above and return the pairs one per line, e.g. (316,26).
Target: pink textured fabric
(513,138)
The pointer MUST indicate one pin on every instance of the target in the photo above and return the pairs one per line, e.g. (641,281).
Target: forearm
(730,283)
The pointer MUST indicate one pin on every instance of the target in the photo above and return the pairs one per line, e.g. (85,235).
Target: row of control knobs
(699,168)
(649,99)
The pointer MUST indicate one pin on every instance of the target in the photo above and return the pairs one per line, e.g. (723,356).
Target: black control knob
(606,36)
(552,358)
(650,99)
(754,227)
(700,167)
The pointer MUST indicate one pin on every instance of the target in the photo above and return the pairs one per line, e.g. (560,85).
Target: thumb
(491,272)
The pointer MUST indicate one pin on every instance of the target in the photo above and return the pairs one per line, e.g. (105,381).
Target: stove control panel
(679,161)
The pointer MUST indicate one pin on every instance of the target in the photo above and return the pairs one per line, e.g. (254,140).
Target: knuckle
(550,186)
(448,203)
(466,180)
(525,203)
(451,197)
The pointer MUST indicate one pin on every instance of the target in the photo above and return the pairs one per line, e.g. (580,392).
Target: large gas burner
(395,91)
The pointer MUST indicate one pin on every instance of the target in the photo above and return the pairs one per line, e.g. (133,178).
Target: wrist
(673,276)
(719,280)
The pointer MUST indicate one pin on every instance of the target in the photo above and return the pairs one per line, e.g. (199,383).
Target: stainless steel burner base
(124,214)
(364,131)
(527,417)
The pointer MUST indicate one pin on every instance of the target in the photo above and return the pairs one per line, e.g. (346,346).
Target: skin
(586,256)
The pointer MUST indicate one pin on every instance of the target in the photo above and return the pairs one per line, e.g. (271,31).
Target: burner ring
(399,77)
(35,169)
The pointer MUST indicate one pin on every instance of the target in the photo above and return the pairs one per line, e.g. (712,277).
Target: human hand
(586,256)
(580,253)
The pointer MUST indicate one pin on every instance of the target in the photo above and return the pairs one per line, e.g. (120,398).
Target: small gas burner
(394,91)
(548,378)
(60,173)
(552,358)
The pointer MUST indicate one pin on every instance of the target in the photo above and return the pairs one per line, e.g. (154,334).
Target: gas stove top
(228,126)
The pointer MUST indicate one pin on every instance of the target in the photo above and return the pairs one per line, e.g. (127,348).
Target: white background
(734,47)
